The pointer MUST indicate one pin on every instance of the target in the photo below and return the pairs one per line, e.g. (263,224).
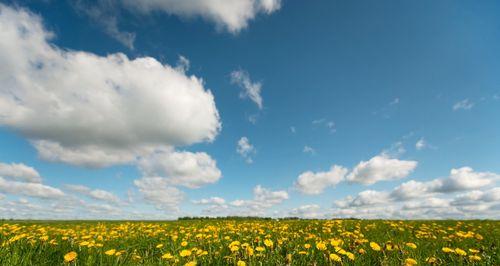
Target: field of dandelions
(251,242)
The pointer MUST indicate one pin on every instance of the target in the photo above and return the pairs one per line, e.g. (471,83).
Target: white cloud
(381,168)
(364,198)
(267,196)
(315,183)
(212,200)
(245,149)
(29,189)
(71,103)
(421,144)
(307,211)
(230,15)
(188,169)
(249,89)
(465,104)
(330,125)
(465,178)
(309,150)
(159,192)
(20,171)
(97,194)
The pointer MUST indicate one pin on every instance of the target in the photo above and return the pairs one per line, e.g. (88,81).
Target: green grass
(46,242)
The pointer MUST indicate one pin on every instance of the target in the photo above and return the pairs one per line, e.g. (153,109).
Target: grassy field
(251,242)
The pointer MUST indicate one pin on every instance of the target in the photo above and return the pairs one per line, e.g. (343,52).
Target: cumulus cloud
(73,105)
(249,89)
(315,183)
(29,189)
(421,144)
(465,104)
(307,211)
(245,149)
(230,15)
(159,192)
(181,168)
(97,194)
(381,168)
(212,200)
(436,198)
(20,171)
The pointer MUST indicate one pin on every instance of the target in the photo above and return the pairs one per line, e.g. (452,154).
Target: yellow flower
(431,260)
(249,251)
(307,246)
(411,245)
(336,242)
(191,263)
(167,256)
(410,262)
(110,252)
(260,249)
(350,255)
(460,252)
(159,246)
(374,246)
(321,246)
(447,250)
(185,253)
(303,252)
(473,250)
(335,257)
(184,243)
(361,251)
(268,243)
(474,257)
(241,263)
(70,256)
(234,248)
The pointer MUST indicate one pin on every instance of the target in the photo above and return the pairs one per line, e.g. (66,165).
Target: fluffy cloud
(81,108)
(29,189)
(381,168)
(230,15)
(465,104)
(245,149)
(20,172)
(159,192)
(97,194)
(466,178)
(249,89)
(212,200)
(421,144)
(307,211)
(315,183)
(188,169)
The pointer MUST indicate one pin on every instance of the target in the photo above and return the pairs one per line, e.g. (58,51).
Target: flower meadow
(250,242)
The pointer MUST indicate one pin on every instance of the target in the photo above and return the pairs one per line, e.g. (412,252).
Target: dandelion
(431,260)
(411,245)
(185,253)
(260,249)
(241,263)
(191,263)
(410,262)
(167,256)
(374,246)
(321,246)
(335,257)
(268,243)
(448,250)
(159,246)
(361,251)
(70,256)
(474,258)
(460,252)
(110,252)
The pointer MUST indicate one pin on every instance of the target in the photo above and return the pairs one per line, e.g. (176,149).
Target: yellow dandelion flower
(110,252)
(335,257)
(374,246)
(361,251)
(410,262)
(167,256)
(474,258)
(159,246)
(241,263)
(460,252)
(185,253)
(191,263)
(268,243)
(321,246)
(431,260)
(70,256)
(411,245)
(448,250)
(260,249)
(184,243)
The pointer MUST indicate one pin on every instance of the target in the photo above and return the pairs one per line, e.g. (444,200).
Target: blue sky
(273,108)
